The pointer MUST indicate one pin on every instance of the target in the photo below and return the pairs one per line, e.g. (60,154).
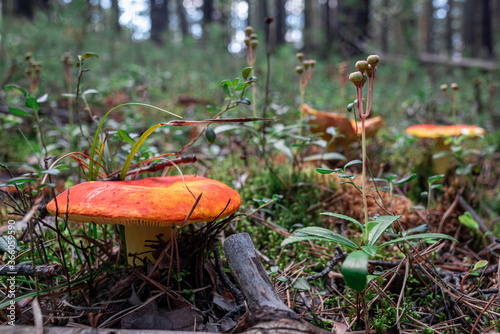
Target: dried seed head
(373,60)
(248,30)
(369,71)
(312,62)
(254,43)
(454,86)
(300,56)
(253,36)
(361,65)
(356,78)
(443,87)
(307,64)
(299,69)
(247,41)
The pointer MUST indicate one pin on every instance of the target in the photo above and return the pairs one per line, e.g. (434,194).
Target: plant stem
(363,176)
(254,96)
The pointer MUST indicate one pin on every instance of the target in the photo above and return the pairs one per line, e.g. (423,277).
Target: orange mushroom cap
(155,201)
(372,126)
(324,120)
(436,131)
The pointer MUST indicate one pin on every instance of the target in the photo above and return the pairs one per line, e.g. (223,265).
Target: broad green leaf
(469,221)
(384,222)
(406,179)
(32,104)
(338,215)
(324,171)
(210,135)
(296,238)
(87,55)
(90,91)
(18,112)
(125,137)
(240,87)
(353,162)
(226,90)
(378,179)
(282,279)
(228,83)
(355,270)
(370,278)
(21,179)
(52,171)
(479,265)
(246,72)
(370,250)
(328,235)
(19,88)
(347,176)
(326,156)
(423,236)
(434,178)
(301,284)
(436,186)
(8,243)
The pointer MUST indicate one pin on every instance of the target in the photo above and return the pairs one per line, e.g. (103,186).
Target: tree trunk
(308,26)
(181,13)
(208,8)
(469,27)
(115,15)
(449,29)
(24,8)
(352,25)
(486,34)
(262,14)
(384,27)
(280,17)
(159,19)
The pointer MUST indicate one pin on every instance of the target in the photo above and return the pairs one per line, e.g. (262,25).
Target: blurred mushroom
(372,126)
(438,133)
(147,207)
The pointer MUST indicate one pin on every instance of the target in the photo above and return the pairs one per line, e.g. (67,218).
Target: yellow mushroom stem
(137,239)
(440,165)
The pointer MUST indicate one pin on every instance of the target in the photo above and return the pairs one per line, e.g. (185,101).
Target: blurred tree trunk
(262,14)
(181,13)
(159,19)
(429,25)
(470,24)
(353,19)
(24,8)
(280,17)
(308,26)
(384,27)
(486,34)
(115,16)
(449,28)
(208,8)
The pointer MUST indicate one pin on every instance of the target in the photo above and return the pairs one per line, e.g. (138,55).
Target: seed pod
(350,106)
(373,60)
(443,87)
(299,69)
(300,56)
(307,63)
(369,71)
(254,43)
(247,41)
(253,36)
(248,30)
(312,62)
(361,65)
(356,78)
(454,86)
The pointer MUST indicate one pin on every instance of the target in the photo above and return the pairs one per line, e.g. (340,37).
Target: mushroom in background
(146,207)
(438,133)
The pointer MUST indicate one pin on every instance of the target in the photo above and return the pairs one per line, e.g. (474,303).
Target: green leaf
(377,179)
(226,90)
(436,186)
(18,112)
(418,207)
(52,171)
(338,215)
(327,235)
(246,72)
(240,87)
(21,179)
(282,279)
(355,270)
(423,236)
(353,162)
(210,135)
(434,178)
(88,55)
(8,243)
(244,101)
(125,137)
(469,221)
(441,155)
(347,176)
(324,171)
(90,91)
(406,179)
(228,83)
(301,284)
(370,250)
(19,88)
(384,222)
(32,104)
(479,265)
(326,156)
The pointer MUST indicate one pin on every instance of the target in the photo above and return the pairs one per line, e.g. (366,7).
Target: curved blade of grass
(423,236)
(136,147)
(92,174)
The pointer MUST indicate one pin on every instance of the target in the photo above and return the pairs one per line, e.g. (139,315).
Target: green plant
(479,265)
(431,186)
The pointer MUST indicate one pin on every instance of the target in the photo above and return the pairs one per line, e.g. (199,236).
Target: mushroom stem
(136,238)
(440,165)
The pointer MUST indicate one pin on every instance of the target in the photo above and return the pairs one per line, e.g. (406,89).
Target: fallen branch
(45,270)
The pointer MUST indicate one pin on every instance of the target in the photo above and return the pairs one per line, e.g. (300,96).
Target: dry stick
(401,295)
(482,312)
(44,270)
